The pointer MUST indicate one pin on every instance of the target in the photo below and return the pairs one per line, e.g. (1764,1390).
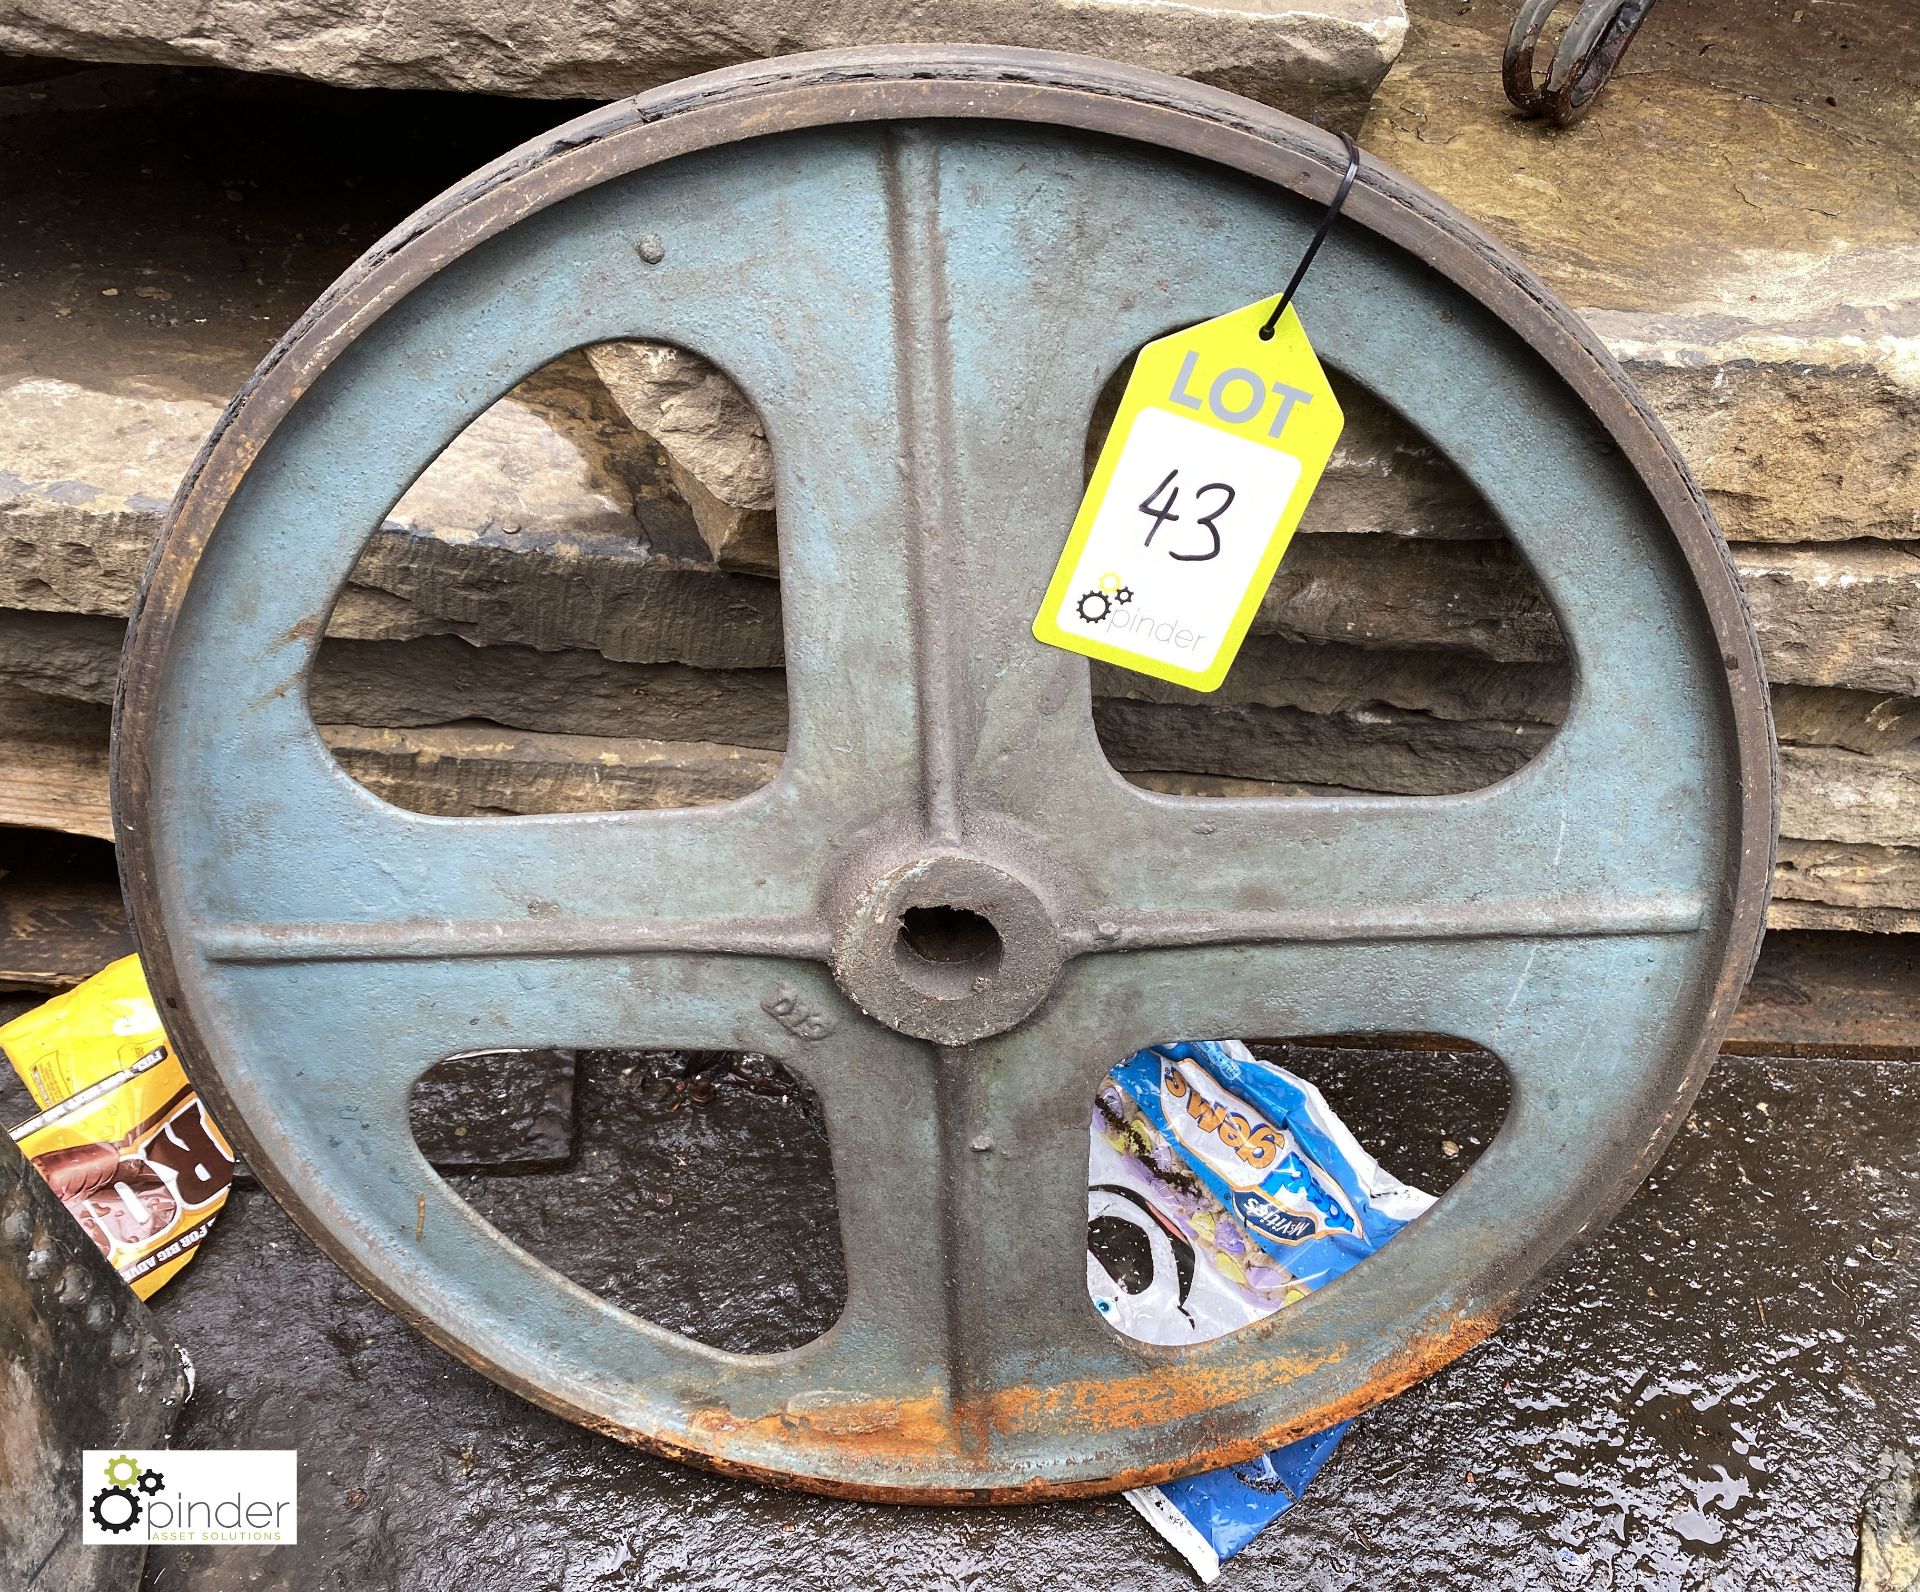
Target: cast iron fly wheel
(922,265)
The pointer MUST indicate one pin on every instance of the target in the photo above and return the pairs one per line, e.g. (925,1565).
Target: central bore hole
(942,951)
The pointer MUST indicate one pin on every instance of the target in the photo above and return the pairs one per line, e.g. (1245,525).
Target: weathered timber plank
(53,764)
(61,918)
(1838,991)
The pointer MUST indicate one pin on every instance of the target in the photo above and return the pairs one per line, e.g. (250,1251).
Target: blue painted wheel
(922,265)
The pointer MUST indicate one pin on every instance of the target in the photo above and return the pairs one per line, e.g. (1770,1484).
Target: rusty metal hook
(1588,52)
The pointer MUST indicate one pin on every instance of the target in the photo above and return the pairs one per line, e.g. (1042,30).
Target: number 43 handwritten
(1161,513)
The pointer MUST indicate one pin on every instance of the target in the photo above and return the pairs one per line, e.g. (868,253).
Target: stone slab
(1320,58)
(1861,721)
(438,679)
(133,313)
(1836,615)
(1842,875)
(135,381)
(1736,218)
(1860,868)
(1368,748)
(1828,793)
(1786,913)
(723,464)
(473,769)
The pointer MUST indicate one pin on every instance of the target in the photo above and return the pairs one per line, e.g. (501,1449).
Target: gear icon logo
(1096,607)
(115,1509)
(118,1507)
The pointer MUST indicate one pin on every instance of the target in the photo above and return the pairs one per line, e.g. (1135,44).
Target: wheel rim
(969,241)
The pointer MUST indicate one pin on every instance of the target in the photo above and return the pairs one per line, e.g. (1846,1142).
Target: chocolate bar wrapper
(121,1137)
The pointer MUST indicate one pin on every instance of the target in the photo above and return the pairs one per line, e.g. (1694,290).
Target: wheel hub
(948,947)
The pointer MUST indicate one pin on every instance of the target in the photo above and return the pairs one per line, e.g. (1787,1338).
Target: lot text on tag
(1219,441)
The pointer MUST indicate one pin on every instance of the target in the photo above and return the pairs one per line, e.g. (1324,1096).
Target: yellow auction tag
(1220,439)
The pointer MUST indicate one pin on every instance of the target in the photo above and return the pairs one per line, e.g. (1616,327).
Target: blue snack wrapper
(1210,1517)
(1221,1188)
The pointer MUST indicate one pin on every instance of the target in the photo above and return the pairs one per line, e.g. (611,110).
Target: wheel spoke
(419,940)
(880,1093)
(1515,919)
(326,873)
(1478,991)
(1015,1114)
(374,1022)
(1543,855)
(966,1241)
(909,597)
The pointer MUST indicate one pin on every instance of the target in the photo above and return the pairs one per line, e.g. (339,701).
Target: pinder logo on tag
(1098,606)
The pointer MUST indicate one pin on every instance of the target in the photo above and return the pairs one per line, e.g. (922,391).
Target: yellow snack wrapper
(121,1137)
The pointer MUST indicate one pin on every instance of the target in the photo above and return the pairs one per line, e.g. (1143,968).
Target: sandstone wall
(575,607)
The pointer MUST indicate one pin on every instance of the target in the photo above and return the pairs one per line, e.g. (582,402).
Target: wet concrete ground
(1700,1401)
